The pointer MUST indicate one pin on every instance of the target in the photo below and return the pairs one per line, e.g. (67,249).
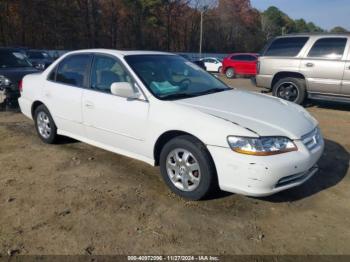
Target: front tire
(187,168)
(230,73)
(44,125)
(290,89)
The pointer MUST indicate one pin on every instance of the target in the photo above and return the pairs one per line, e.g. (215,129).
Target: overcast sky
(325,13)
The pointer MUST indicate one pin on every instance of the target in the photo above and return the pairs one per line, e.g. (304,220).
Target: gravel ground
(73,198)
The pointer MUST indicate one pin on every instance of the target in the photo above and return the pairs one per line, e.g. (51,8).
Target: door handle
(89,104)
(310,64)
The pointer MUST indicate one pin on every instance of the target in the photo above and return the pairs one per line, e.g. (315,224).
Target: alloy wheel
(44,125)
(288,91)
(183,169)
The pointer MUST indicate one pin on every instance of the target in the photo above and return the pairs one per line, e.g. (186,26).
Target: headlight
(4,81)
(262,146)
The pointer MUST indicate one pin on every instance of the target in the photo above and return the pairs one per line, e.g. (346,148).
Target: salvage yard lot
(73,198)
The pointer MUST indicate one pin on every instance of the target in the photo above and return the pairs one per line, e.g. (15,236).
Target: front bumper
(9,96)
(264,175)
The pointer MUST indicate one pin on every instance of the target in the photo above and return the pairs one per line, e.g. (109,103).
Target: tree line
(169,25)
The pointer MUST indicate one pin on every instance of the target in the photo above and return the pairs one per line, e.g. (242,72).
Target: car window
(172,77)
(73,70)
(287,46)
(332,48)
(52,75)
(13,59)
(106,71)
(244,58)
(37,55)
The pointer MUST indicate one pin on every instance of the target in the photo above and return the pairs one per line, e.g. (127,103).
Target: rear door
(63,92)
(324,65)
(245,64)
(209,64)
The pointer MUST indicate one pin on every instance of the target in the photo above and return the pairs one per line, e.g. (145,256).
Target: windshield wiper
(187,95)
(211,91)
(177,96)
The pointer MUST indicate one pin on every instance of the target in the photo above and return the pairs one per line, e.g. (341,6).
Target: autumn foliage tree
(170,25)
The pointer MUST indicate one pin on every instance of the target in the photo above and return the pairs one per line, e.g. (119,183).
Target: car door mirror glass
(124,89)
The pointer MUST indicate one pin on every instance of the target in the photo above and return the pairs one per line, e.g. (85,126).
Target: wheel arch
(228,67)
(35,105)
(284,74)
(166,137)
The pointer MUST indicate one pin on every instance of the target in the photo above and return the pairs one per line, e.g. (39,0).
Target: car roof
(36,50)
(209,57)
(315,34)
(253,54)
(120,52)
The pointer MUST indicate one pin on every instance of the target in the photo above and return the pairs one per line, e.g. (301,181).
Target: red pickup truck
(240,64)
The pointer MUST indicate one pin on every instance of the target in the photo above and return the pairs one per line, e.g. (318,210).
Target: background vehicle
(212,64)
(239,64)
(159,108)
(40,59)
(13,66)
(199,63)
(315,66)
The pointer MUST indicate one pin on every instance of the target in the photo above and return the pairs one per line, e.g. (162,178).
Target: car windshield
(171,77)
(11,59)
(37,55)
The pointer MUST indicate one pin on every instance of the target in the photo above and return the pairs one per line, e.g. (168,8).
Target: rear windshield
(12,59)
(287,46)
(37,55)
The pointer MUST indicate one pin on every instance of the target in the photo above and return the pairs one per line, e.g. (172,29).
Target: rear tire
(44,125)
(219,70)
(230,73)
(290,89)
(187,168)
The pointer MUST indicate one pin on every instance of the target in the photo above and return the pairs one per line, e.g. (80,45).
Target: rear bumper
(25,106)
(264,81)
(263,176)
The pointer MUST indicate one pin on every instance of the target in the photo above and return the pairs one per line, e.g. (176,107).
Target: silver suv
(296,67)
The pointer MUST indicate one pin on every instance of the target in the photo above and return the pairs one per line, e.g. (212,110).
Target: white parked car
(212,64)
(162,109)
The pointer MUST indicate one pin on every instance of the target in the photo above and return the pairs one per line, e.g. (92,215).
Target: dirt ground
(73,198)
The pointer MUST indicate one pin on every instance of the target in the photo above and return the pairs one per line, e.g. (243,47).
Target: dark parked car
(200,63)
(40,59)
(13,66)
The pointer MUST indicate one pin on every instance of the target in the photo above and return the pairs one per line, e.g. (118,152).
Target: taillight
(20,86)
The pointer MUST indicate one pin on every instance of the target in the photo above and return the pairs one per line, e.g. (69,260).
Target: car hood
(261,114)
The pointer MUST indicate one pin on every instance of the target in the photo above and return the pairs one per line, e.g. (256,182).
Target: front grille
(312,139)
(284,181)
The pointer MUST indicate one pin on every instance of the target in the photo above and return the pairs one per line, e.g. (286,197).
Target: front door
(117,123)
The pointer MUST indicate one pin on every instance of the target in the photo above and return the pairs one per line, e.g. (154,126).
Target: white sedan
(162,109)
(212,64)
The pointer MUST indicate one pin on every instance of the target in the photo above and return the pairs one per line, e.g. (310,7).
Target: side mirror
(124,89)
